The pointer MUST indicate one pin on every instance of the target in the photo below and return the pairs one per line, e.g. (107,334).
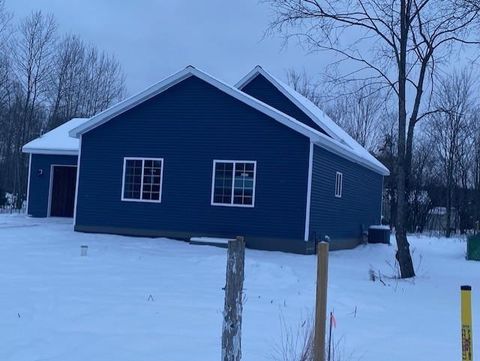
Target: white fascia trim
(130,102)
(309,194)
(259,70)
(344,148)
(75,204)
(50,151)
(345,152)
(28,181)
(318,137)
(167,83)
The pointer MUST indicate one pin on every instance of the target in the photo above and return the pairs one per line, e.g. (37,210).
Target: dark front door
(63,191)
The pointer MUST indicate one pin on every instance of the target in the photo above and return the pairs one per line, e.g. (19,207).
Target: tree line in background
(400,48)
(444,186)
(46,78)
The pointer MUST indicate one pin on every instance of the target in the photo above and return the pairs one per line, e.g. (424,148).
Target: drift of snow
(159,299)
(57,139)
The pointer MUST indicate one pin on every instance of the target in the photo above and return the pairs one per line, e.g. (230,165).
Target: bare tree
(84,81)
(475,166)
(66,82)
(450,131)
(356,107)
(33,53)
(104,81)
(43,83)
(305,85)
(396,45)
(423,171)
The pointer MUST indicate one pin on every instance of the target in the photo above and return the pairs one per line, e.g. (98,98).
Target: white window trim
(143,159)
(215,161)
(339,186)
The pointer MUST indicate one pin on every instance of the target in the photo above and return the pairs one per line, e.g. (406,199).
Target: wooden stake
(232,314)
(321,302)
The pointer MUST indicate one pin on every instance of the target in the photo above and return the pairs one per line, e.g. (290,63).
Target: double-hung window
(233,183)
(142,179)
(338,184)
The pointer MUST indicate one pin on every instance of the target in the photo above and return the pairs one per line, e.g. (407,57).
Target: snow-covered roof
(56,141)
(334,144)
(318,116)
(178,77)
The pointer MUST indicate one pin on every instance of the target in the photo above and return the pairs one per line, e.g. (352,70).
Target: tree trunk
(403,253)
(448,202)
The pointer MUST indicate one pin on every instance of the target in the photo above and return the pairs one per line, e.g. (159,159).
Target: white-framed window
(338,184)
(142,179)
(233,183)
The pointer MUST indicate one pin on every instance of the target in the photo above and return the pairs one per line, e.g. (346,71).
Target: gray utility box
(379,234)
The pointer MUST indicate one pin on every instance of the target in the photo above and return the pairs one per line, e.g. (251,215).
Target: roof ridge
(310,109)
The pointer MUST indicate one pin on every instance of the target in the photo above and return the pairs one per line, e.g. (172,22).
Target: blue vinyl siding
(265,91)
(342,218)
(190,125)
(40,184)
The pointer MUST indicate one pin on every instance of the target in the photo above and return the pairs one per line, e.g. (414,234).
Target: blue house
(194,157)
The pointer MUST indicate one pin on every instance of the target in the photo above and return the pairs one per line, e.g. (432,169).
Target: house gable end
(261,88)
(189,126)
(179,77)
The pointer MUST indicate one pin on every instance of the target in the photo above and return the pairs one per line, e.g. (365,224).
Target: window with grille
(338,185)
(142,179)
(233,183)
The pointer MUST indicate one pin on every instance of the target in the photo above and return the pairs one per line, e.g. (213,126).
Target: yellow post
(466,304)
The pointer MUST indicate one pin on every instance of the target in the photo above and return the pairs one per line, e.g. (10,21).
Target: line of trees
(399,47)
(46,78)
(445,173)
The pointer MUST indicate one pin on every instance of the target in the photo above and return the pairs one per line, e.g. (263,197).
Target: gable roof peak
(178,77)
(316,114)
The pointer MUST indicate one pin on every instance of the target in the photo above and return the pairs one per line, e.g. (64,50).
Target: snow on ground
(156,299)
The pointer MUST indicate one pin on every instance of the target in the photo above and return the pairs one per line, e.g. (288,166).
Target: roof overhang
(50,151)
(333,141)
(178,77)
(315,136)
(258,70)
(345,152)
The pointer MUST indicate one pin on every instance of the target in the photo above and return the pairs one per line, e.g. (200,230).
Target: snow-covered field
(156,299)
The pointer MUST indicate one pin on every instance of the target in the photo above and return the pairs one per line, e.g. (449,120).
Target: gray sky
(154,38)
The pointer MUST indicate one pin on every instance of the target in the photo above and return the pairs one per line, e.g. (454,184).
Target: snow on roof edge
(316,136)
(317,115)
(174,79)
(57,140)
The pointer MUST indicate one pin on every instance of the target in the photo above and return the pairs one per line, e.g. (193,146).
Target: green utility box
(473,248)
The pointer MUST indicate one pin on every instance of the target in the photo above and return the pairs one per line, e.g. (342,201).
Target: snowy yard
(156,299)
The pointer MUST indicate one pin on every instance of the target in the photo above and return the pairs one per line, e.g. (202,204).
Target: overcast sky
(154,38)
